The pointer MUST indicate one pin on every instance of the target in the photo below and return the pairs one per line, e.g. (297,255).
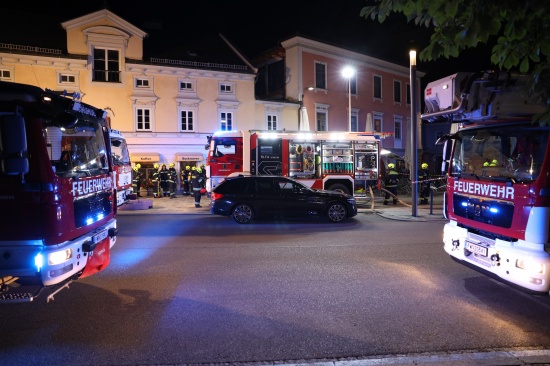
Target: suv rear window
(234,186)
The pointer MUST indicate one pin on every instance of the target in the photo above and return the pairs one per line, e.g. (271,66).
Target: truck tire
(243,213)
(339,188)
(337,212)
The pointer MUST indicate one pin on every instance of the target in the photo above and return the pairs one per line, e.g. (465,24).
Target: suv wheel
(242,213)
(336,212)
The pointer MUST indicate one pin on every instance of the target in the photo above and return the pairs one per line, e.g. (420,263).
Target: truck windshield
(119,149)
(500,153)
(77,151)
(222,147)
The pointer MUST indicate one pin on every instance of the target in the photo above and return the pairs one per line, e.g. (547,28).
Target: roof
(209,50)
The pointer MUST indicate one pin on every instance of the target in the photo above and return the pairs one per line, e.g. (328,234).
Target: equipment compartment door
(270,157)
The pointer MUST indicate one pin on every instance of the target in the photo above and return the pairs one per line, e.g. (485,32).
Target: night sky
(252,26)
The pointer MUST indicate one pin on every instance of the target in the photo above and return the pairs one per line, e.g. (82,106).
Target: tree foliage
(517,30)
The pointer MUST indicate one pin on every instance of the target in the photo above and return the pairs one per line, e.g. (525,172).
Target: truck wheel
(339,188)
(337,212)
(242,213)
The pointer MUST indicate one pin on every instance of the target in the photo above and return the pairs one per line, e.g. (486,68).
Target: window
(397,91)
(186,85)
(142,83)
(143,119)
(321,118)
(353,126)
(106,65)
(226,88)
(353,84)
(5,75)
(186,120)
(377,119)
(377,86)
(272,122)
(408,94)
(397,127)
(226,121)
(320,75)
(67,79)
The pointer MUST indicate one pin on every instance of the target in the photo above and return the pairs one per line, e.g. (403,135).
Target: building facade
(377,91)
(166,107)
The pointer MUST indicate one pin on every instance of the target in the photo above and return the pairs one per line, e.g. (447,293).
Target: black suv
(247,197)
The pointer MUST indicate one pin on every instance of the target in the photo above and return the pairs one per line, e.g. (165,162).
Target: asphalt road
(196,289)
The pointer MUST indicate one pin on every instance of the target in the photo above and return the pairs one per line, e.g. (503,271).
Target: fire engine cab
(498,166)
(347,162)
(56,192)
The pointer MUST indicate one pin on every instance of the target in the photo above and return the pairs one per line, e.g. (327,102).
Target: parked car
(246,197)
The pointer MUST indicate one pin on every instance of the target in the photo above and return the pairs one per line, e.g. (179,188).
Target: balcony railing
(195,64)
(21,48)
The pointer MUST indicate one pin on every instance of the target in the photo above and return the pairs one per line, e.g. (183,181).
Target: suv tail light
(215,196)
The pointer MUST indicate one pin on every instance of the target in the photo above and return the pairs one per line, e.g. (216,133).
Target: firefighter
(163,177)
(136,179)
(203,175)
(185,180)
(155,180)
(424,181)
(195,181)
(172,180)
(392,178)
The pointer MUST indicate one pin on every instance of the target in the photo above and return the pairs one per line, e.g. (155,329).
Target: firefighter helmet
(138,165)
(172,165)
(424,165)
(486,163)
(156,166)
(391,165)
(187,167)
(194,168)
(494,162)
(136,168)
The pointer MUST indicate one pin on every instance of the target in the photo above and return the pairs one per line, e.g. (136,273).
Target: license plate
(474,248)
(99,237)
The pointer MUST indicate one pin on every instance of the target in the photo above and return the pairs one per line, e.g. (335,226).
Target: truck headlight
(60,256)
(530,265)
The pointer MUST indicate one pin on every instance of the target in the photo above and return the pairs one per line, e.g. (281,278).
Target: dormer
(107,40)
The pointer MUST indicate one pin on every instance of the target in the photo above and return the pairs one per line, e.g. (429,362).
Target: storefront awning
(189,156)
(145,158)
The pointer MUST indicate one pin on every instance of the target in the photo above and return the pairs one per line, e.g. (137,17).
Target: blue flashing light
(464,204)
(89,221)
(100,216)
(38,261)
(493,210)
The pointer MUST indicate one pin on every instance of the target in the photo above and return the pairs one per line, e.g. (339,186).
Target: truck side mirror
(13,145)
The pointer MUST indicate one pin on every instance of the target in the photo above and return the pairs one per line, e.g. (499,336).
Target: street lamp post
(348,72)
(414,135)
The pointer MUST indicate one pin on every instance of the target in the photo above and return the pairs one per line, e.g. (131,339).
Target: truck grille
(490,212)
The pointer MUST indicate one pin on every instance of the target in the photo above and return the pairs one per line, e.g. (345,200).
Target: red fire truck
(122,167)
(498,165)
(348,162)
(56,192)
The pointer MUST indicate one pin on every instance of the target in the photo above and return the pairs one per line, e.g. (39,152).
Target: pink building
(313,73)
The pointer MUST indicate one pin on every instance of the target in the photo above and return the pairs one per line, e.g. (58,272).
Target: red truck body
(56,191)
(348,162)
(498,166)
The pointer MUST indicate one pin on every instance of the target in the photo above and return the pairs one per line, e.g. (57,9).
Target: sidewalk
(185,205)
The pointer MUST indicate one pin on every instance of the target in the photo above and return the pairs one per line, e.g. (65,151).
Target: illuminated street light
(414,135)
(348,73)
